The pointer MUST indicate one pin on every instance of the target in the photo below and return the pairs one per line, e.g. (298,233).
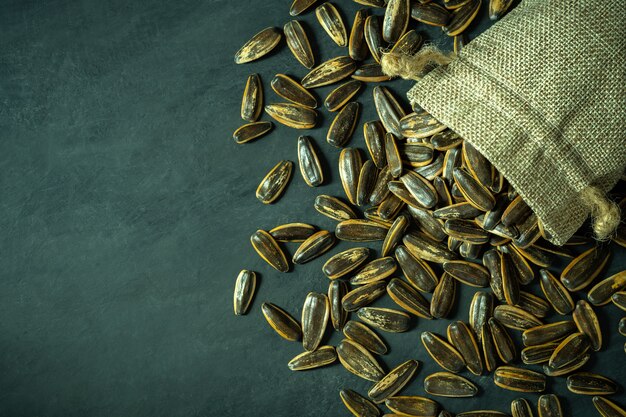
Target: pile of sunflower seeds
(437,205)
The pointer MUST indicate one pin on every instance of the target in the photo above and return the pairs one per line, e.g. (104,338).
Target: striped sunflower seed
(510,281)
(363,295)
(549,406)
(290,90)
(607,408)
(588,324)
(392,154)
(446,140)
(342,127)
(314,246)
(601,293)
(430,13)
(251,131)
(447,384)
(350,164)
(292,232)
(443,352)
(370,73)
(376,270)
(538,354)
(619,299)
(462,337)
(393,382)
(443,297)
(373,36)
(286,326)
(329,18)
(310,166)
(420,125)
(357,48)
(412,406)
(364,336)
(315,315)
(298,43)
(480,310)
(299,6)
(519,379)
(427,249)
(520,407)
(357,230)
(578,363)
(386,319)
(570,350)
(552,332)
(394,234)
(557,295)
(472,190)
(367,181)
(357,360)
(492,261)
(338,316)
(274,183)
(396,19)
(324,355)
(515,317)
(358,405)
(583,269)
(497,8)
(244,291)
(258,46)
(468,273)
(417,272)
(535,305)
(427,223)
(252,101)
(587,383)
(345,262)
(329,72)
(267,248)
(408,298)
(457,211)
(420,188)
(341,95)
(489,348)
(374,134)
(292,115)
(389,110)
(462,18)
(502,341)
(334,208)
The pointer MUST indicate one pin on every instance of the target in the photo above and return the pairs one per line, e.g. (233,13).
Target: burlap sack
(541,94)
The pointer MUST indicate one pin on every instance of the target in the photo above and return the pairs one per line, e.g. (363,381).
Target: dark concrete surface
(126,209)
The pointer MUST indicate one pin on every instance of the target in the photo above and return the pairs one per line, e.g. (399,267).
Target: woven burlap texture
(542,95)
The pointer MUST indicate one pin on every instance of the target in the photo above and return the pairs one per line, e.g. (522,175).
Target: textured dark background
(125,213)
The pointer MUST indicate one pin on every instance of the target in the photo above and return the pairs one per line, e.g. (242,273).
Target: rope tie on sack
(605,214)
(413,67)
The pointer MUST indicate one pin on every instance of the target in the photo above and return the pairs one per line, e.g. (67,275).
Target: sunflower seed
(292,115)
(462,18)
(298,43)
(314,246)
(275,182)
(244,291)
(251,131)
(497,8)
(529,232)
(457,211)
(375,140)
(619,299)
(393,382)
(525,273)
(420,125)
(373,37)
(329,18)
(310,167)
(292,232)
(376,270)
(357,48)
(446,140)
(443,297)
(286,326)
(430,13)
(350,164)
(516,318)
(409,43)
(621,327)
(578,363)
(520,407)
(549,406)
(356,359)
(388,109)
(370,73)
(502,341)
(416,271)
(535,305)
(345,262)
(572,348)
(446,384)
(451,160)
(364,336)
(477,165)
(408,298)
(358,405)
(538,354)
(552,332)
(427,223)
(473,191)
(556,293)
(381,191)
(607,408)
(587,383)
(290,90)
(267,248)
(315,315)
(258,46)
(357,230)
(412,406)
(442,352)
(396,19)
(516,212)
(427,249)
(418,155)
(493,216)
(338,316)
(480,310)
(587,323)
(510,282)
(385,319)
(342,127)
(337,98)
(468,273)
(399,190)
(470,250)
(488,347)
(334,208)
(363,295)
(492,261)
(331,71)
(519,379)
(252,101)
(367,181)
(466,230)
(298,6)
(394,234)
(601,293)
(430,171)
(462,337)
(324,355)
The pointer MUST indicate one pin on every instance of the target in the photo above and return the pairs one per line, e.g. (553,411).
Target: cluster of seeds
(445,216)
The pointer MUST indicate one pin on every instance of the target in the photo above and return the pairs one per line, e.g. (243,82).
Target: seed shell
(443,297)
(258,46)
(481,309)
(393,382)
(298,6)
(601,293)
(489,348)
(492,261)
(275,182)
(551,332)
(374,134)
(607,408)
(463,338)
(427,249)
(394,234)
(244,291)
(587,383)
(417,272)
(358,405)
(314,246)
(268,249)
(535,305)
(334,208)
(519,379)
(412,406)
(583,269)
(364,336)
(338,316)
(315,315)
(392,154)
(373,36)
(341,95)
(385,319)
(350,164)
(345,262)
(408,298)
(363,295)
(549,406)
(442,352)
(473,191)
(357,48)
(289,89)
(578,363)
(446,384)
(430,13)
(572,348)
(557,295)
(420,125)
(516,318)
(409,43)
(310,166)
(427,223)
(329,72)
(462,18)
(502,341)
(252,101)
(286,326)
(328,16)
(587,323)
(292,115)
(468,273)
(292,232)
(462,210)
(420,188)
(324,355)
(357,230)
(356,359)
(370,73)
(619,299)
(466,231)
(510,282)
(520,407)
(497,8)
(376,270)
(251,131)
(298,43)
(342,127)
(388,109)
